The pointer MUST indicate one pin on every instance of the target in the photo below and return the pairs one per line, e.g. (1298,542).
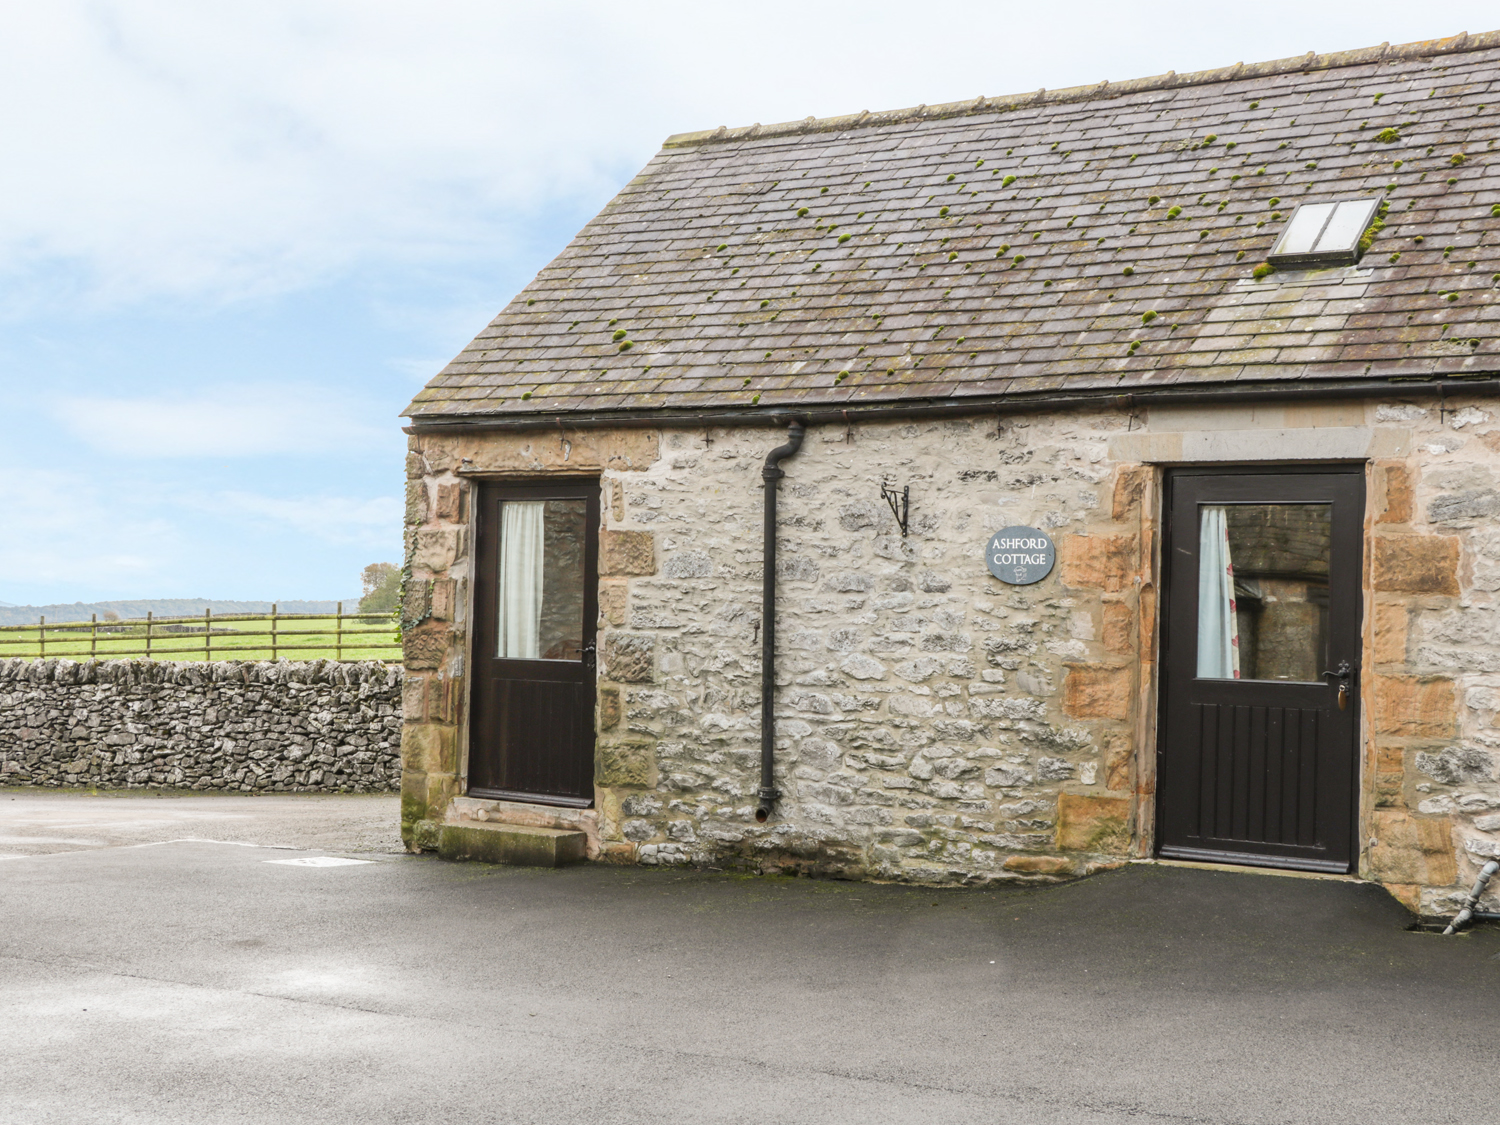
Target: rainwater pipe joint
(1486,873)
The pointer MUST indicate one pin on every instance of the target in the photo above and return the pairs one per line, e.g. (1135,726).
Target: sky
(235,239)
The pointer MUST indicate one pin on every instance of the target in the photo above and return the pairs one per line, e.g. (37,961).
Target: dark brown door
(1259,667)
(535,603)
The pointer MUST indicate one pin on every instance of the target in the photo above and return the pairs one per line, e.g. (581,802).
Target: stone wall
(934,724)
(318,726)
(1433,702)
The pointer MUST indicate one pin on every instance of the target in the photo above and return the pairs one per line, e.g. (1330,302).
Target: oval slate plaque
(1020,555)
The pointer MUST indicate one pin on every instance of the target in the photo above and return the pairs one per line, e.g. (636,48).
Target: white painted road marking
(318,861)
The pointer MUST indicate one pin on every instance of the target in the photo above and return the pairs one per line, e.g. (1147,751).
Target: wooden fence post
(208,632)
(93,636)
(42,637)
(273,630)
(338,644)
(148,634)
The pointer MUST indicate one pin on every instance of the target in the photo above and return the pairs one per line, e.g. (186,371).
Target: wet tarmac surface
(205,982)
(39,822)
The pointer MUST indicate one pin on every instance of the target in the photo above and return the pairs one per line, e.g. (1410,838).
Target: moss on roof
(1101,237)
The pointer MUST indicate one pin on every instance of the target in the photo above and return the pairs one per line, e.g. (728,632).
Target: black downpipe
(772,474)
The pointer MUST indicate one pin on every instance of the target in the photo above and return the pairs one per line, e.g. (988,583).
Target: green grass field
(233,638)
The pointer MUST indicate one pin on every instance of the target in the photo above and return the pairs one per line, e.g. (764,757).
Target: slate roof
(1092,238)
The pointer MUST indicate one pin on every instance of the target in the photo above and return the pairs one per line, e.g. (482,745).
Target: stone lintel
(1295,443)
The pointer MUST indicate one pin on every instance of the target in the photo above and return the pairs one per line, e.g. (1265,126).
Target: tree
(382,586)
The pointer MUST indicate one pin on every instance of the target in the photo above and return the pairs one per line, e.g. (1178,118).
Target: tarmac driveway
(206,982)
(40,821)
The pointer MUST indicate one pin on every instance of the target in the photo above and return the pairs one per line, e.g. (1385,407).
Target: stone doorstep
(516,845)
(472,812)
(1247,869)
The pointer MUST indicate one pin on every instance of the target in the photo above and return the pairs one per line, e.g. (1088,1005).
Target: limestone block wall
(934,724)
(317,726)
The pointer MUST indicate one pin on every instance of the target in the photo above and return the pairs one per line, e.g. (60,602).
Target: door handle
(1344,674)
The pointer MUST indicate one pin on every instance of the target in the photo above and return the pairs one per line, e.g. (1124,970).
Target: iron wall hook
(899,510)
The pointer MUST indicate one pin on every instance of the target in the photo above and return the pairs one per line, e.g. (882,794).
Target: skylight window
(1324,234)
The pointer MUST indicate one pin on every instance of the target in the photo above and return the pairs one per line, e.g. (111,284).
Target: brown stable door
(531,727)
(1259,666)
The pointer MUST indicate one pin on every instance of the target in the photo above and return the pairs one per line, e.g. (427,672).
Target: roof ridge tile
(1424,48)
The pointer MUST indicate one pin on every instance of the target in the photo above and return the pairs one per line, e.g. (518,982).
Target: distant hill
(159,607)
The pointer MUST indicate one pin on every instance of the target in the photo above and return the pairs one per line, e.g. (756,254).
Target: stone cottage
(990,491)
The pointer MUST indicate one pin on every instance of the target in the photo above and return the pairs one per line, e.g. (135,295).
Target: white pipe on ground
(1486,873)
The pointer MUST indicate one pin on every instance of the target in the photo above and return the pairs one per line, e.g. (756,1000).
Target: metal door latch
(1343,674)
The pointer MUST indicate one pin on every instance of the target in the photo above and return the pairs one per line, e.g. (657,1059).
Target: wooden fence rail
(371,635)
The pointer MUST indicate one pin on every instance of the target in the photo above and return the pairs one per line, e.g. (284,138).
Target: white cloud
(192,148)
(373,522)
(161,146)
(80,535)
(63,529)
(240,422)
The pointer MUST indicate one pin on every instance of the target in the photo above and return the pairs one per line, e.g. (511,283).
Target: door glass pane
(1263,591)
(541,579)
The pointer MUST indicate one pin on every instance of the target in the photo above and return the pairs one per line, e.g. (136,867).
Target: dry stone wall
(317,726)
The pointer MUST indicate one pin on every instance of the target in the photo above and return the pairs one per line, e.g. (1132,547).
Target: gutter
(772,474)
(956,407)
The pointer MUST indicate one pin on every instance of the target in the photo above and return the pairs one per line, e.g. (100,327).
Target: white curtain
(1218,630)
(521,524)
